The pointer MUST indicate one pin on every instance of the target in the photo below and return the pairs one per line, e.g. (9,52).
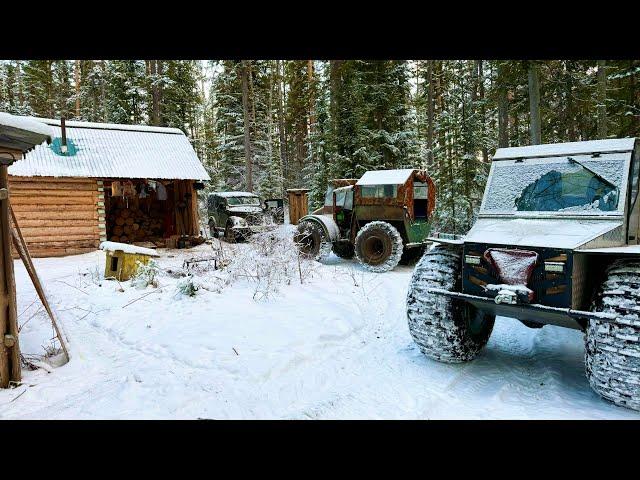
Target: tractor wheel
(445,329)
(411,255)
(343,249)
(312,240)
(378,246)
(612,353)
(212,228)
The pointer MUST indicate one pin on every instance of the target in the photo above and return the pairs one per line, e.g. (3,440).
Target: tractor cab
(327,207)
(405,198)
(342,200)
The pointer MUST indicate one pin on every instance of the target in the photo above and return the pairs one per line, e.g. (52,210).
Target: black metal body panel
(551,289)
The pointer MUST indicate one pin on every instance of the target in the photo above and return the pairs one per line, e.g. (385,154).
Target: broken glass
(559,186)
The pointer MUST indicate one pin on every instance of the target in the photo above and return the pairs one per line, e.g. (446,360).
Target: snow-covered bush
(269,260)
(187,286)
(145,275)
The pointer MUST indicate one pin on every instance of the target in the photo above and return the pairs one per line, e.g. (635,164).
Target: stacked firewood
(134,224)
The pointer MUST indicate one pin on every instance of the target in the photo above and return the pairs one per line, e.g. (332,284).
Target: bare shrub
(269,261)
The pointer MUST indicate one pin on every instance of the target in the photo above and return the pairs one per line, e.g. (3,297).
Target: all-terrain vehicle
(382,218)
(555,242)
(237,215)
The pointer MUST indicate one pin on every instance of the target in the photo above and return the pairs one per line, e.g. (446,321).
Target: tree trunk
(503,108)
(281,124)
(534,104)
(103,92)
(569,103)
(155,92)
(335,82)
(602,96)
(430,107)
(483,112)
(77,85)
(244,73)
(312,98)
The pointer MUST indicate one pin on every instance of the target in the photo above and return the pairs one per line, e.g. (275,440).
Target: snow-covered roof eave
(234,194)
(385,177)
(568,148)
(107,126)
(22,133)
(28,124)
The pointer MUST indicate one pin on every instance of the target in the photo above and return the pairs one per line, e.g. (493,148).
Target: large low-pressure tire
(378,246)
(343,249)
(212,228)
(312,240)
(612,353)
(445,329)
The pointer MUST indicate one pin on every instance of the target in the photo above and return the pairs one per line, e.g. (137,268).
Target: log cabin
(99,181)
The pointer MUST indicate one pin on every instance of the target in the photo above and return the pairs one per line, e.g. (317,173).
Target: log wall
(59,216)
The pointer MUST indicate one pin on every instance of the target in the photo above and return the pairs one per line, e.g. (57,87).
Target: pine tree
(126,96)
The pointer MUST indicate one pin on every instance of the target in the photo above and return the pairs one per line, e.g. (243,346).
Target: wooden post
(10,370)
(22,249)
(298,204)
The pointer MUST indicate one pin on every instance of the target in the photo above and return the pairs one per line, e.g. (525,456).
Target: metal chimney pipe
(63,146)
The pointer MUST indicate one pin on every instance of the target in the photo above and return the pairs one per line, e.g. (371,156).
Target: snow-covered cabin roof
(22,133)
(385,177)
(568,148)
(234,194)
(106,150)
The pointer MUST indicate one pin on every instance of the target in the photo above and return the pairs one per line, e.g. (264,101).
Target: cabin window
(379,191)
(420,199)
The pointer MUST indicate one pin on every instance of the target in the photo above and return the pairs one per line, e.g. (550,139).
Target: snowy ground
(336,346)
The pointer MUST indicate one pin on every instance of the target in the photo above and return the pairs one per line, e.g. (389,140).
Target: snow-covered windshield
(243,201)
(583,184)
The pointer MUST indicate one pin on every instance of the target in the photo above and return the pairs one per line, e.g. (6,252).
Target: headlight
(472,259)
(554,267)
(239,222)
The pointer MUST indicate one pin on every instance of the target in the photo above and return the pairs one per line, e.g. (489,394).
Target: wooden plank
(85,243)
(14,179)
(72,236)
(61,232)
(60,252)
(56,222)
(25,200)
(53,193)
(19,186)
(31,207)
(10,312)
(57,215)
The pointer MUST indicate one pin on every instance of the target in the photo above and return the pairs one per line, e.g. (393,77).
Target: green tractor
(383,218)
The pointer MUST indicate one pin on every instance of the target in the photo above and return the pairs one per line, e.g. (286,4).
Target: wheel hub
(376,249)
